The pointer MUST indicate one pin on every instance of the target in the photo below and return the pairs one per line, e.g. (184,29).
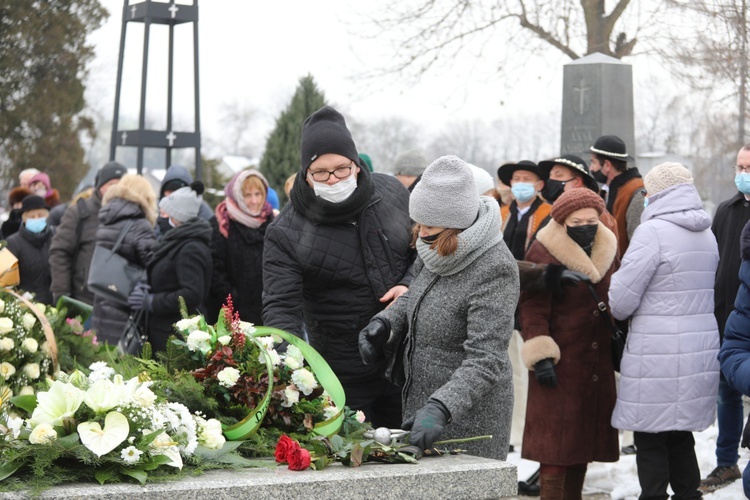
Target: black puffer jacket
(109,318)
(180,267)
(32,251)
(238,269)
(335,273)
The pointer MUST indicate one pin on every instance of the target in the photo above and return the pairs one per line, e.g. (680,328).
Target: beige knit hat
(666,175)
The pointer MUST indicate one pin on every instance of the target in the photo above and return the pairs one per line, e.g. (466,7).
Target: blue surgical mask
(742,181)
(645,202)
(523,191)
(36,226)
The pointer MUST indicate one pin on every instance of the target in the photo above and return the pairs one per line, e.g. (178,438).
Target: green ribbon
(323,372)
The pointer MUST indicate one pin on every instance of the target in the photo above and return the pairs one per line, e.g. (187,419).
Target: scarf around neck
(320,211)
(472,241)
(194,229)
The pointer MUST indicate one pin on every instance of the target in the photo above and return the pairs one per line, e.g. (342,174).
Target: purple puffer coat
(665,285)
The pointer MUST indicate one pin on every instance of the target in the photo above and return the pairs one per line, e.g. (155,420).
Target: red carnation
(298,458)
(283,447)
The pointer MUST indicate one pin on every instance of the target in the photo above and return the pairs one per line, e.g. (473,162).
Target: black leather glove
(745,443)
(545,372)
(428,424)
(569,277)
(139,298)
(372,339)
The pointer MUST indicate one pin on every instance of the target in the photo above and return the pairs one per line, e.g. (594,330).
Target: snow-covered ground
(620,479)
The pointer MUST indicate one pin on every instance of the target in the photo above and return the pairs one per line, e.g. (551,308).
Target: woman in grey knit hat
(454,323)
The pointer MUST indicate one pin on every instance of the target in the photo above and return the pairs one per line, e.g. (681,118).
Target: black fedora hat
(573,162)
(611,146)
(505,172)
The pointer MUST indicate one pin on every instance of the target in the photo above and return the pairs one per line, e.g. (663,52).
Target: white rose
(42,433)
(45,347)
(360,416)
(6,325)
(225,339)
(28,321)
(2,306)
(32,371)
(144,396)
(40,307)
(188,324)
(211,436)
(30,345)
(27,390)
(247,328)
(7,370)
(228,377)
(6,344)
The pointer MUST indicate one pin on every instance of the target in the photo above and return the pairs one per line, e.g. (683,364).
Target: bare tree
(384,139)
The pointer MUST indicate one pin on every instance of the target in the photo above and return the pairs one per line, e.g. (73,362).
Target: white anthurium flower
(224,339)
(165,445)
(6,325)
(247,328)
(102,441)
(14,426)
(61,401)
(28,321)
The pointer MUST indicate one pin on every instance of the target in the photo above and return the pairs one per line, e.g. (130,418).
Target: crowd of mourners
(447,303)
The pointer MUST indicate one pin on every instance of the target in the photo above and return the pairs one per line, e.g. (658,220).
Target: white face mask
(41,192)
(337,192)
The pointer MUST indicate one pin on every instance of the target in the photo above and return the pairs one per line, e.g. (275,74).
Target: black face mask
(600,177)
(163,223)
(583,235)
(430,239)
(553,189)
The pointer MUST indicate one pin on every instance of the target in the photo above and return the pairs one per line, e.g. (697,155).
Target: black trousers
(667,458)
(378,399)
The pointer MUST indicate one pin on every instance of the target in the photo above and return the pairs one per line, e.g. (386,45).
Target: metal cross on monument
(169,14)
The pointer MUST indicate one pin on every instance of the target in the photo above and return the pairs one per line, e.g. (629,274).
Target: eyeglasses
(339,173)
(740,169)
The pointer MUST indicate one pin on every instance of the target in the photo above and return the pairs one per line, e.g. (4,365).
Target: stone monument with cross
(166,14)
(597,100)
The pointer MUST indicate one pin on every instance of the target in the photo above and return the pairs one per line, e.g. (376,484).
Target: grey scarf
(472,242)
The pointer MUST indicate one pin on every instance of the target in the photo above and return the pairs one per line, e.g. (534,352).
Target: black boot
(530,487)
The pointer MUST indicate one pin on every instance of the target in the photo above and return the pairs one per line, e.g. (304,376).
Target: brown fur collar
(557,242)
(136,189)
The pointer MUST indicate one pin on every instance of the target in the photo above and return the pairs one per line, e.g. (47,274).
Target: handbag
(111,275)
(619,338)
(134,335)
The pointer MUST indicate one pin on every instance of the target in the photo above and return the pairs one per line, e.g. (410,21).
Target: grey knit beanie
(183,204)
(412,162)
(666,175)
(446,196)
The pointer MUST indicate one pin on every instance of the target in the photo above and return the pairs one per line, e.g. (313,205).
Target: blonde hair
(289,183)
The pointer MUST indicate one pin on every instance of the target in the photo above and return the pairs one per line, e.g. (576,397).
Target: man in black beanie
(75,239)
(336,255)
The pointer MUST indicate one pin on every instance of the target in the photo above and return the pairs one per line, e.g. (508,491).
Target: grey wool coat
(458,328)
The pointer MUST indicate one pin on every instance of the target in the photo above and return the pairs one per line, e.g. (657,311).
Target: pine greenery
(281,157)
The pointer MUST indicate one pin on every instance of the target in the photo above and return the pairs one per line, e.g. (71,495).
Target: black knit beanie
(325,132)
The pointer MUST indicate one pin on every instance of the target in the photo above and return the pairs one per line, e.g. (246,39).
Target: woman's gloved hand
(428,424)
(372,339)
(545,372)
(139,299)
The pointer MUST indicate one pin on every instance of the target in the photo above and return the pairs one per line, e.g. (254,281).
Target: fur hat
(325,132)
(666,175)
(33,202)
(482,179)
(43,178)
(185,203)
(573,200)
(109,171)
(446,196)
(135,188)
(17,194)
(412,162)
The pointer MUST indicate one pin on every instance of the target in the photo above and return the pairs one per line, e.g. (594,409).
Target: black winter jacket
(332,275)
(180,267)
(32,251)
(70,258)
(730,218)
(109,318)
(238,269)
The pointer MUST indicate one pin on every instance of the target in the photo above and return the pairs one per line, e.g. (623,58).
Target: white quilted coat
(665,285)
